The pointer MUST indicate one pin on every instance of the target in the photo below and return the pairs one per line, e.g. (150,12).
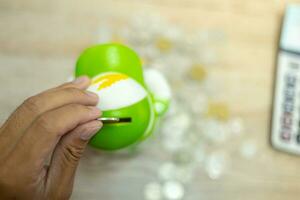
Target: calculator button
(298,138)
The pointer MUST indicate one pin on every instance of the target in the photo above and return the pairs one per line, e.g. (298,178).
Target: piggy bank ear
(159,89)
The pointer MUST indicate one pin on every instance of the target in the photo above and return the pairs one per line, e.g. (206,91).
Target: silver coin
(173,190)
(167,171)
(216,164)
(248,149)
(236,126)
(152,191)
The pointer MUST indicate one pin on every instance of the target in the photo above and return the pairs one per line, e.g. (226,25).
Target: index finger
(35,106)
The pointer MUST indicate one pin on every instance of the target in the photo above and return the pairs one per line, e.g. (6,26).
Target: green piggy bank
(125,91)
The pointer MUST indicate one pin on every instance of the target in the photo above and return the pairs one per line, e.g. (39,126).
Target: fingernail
(92,94)
(80,80)
(95,111)
(89,134)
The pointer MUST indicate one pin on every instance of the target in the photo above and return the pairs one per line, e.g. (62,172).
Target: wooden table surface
(39,43)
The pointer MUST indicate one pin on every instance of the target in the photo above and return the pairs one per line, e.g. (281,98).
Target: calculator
(285,134)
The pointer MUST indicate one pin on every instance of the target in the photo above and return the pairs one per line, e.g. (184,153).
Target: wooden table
(40,41)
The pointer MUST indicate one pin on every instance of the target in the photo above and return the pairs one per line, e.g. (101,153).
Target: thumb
(66,157)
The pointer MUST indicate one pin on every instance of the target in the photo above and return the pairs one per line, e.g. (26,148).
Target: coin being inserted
(113,120)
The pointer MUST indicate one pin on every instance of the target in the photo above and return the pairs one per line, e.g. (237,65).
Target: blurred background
(220,59)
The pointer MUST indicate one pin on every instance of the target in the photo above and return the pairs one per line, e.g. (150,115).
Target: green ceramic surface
(118,58)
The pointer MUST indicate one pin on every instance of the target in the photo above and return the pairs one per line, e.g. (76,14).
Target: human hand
(42,141)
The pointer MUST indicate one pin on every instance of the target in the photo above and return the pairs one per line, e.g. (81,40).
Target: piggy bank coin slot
(115,120)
